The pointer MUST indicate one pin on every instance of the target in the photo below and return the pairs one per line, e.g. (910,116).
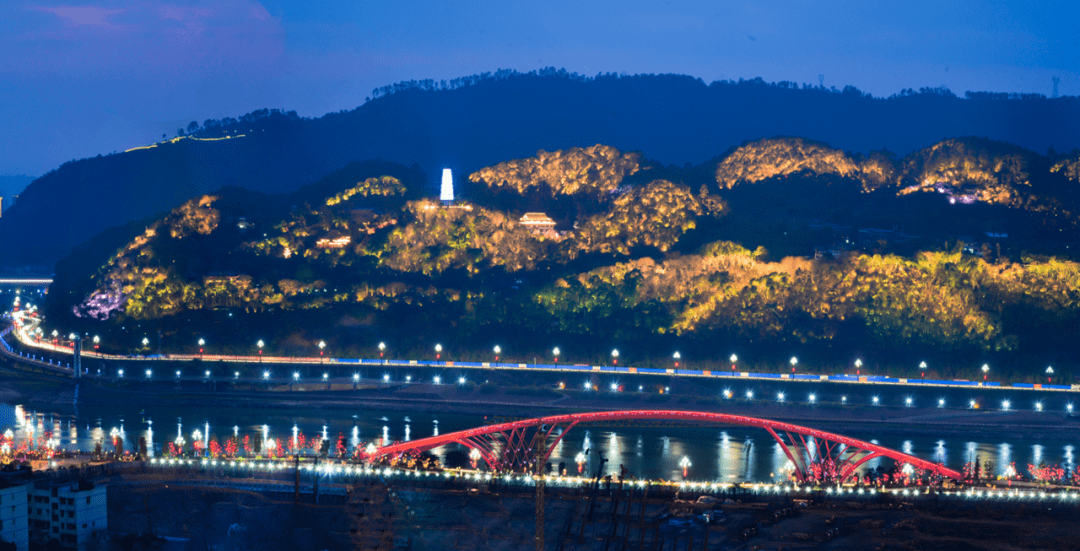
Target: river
(726,454)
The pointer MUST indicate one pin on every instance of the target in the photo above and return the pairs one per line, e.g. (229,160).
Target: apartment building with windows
(13,521)
(74,513)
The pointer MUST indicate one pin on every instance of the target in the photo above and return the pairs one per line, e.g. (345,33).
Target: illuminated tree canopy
(646,256)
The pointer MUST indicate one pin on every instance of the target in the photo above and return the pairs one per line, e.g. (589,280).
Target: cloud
(90,16)
(148,38)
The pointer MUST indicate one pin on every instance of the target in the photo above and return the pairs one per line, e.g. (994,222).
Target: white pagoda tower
(446,193)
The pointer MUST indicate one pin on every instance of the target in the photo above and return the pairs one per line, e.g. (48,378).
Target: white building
(74,513)
(13,522)
(446,191)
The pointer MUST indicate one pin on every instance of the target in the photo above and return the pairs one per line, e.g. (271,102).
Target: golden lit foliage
(195,215)
(1070,168)
(383,185)
(331,233)
(991,173)
(777,157)
(599,168)
(877,170)
(945,299)
(148,289)
(654,215)
(471,238)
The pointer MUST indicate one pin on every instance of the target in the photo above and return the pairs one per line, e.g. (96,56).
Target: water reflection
(1005,459)
(728,454)
(940,455)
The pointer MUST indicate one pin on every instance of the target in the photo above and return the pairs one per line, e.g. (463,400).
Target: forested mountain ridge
(484,120)
(635,251)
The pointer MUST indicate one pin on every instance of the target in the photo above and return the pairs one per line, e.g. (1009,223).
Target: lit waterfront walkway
(345,473)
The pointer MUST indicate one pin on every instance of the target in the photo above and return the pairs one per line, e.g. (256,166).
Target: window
(84,525)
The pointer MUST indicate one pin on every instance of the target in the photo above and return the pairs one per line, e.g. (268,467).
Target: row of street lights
(727,393)
(909,401)
(556,352)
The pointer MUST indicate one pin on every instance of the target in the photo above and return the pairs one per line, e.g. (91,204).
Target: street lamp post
(733,359)
(555,353)
(438,351)
(794,362)
(202,343)
(322,346)
(1049,374)
(922,369)
(985,370)
(260,344)
(858,367)
(685,464)
(676,356)
(498,350)
(382,348)
(615,357)
(97,341)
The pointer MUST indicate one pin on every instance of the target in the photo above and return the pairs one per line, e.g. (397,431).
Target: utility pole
(540,505)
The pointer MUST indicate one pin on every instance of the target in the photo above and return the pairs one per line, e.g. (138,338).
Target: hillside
(480,121)
(782,240)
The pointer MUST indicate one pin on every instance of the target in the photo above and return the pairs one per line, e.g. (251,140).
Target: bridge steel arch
(512,446)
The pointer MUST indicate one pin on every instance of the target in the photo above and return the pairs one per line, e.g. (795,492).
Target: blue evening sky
(78,78)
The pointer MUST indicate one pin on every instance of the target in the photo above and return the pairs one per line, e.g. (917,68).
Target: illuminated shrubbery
(945,299)
(655,215)
(764,159)
(598,168)
(469,238)
(970,170)
(340,253)
(1070,168)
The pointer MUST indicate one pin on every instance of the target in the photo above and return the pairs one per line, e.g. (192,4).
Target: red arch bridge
(517,445)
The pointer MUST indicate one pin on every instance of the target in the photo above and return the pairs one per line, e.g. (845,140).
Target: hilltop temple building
(539,223)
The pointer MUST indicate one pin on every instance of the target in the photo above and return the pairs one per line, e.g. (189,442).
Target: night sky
(82,78)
